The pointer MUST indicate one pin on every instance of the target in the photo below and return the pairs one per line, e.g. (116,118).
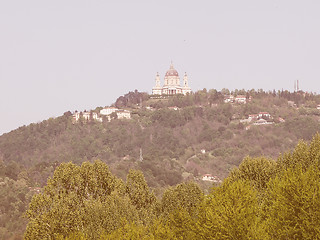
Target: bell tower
(185,80)
(157,90)
(158,80)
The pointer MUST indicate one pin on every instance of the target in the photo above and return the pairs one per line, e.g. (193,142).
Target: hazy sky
(57,56)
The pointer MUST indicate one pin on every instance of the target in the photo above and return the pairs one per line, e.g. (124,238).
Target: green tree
(230,212)
(292,205)
(187,196)
(304,155)
(256,170)
(179,208)
(138,190)
(73,201)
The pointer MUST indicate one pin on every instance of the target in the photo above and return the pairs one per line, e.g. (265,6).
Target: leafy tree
(71,197)
(256,170)
(179,208)
(138,190)
(184,196)
(304,155)
(292,205)
(230,212)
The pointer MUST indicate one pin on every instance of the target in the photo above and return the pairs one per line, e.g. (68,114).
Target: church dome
(172,71)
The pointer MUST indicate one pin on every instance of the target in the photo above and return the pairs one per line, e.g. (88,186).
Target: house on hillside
(108,110)
(265,115)
(262,121)
(251,118)
(229,99)
(240,99)
(87,116)
(174,108)
(209,177)
(123,114)
(76,116)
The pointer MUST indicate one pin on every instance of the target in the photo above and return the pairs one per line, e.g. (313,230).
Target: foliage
(230,212)
(256,170)
(86,198)
(292,206)
(184,196)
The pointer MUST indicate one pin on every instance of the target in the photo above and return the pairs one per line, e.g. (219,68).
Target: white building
(209,177)
(123,114)
(229,99)
(237,99)
(262,122)
(87,116)
(264,115)
(76,116)
(240,99)
(108,110)
(171,84)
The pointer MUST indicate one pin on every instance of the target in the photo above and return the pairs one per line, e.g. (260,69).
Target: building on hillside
(123,114)
(209,177)
(87,116)
(240,99)
(261,118)
(229,99)
(174,108)
(171,84)
(253,117)
(108,110)
(265,115)
(262,122)
(76,116)
(237,99)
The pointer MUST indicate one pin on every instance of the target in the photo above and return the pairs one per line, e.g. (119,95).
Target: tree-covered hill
(202,134)
(180,138)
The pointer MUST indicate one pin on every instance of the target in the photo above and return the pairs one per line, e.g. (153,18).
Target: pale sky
(58,56)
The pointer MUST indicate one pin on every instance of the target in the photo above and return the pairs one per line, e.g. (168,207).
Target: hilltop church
(171,84)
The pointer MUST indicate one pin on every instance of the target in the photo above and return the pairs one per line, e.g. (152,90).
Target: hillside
(180,138)
(202,134)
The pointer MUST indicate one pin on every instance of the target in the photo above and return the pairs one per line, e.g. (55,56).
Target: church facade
(171,84)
